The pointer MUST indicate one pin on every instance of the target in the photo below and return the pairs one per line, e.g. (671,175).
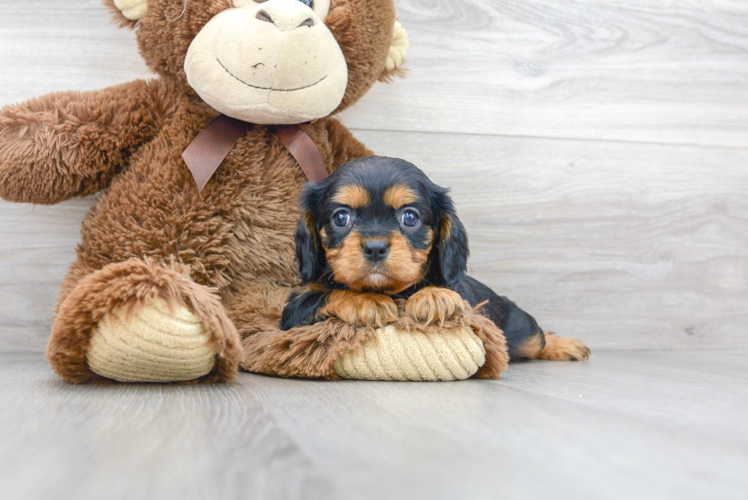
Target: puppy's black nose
(376,250)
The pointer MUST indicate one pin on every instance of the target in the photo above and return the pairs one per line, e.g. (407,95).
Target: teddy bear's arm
(70,144)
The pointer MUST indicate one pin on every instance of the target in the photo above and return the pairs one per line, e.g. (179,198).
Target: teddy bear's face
(272,62)
(266,61)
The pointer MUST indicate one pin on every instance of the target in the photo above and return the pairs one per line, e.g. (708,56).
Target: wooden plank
(36,248)
(672,388)
(49,46)
(672,72)
(488,439)
(527,436)
(626,246)
(138,441)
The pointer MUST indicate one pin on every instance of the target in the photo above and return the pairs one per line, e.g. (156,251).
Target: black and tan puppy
(377,230)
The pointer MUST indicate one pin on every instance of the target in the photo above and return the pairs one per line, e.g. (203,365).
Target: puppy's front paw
(360,309)
(433,304)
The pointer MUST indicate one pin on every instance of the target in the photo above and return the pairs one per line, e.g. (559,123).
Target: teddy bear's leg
(141,321)
(304,352)
(458,348)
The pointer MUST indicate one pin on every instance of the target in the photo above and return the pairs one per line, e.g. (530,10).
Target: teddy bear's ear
(396,56)
(128,12)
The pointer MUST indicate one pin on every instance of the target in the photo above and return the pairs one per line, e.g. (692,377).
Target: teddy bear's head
(269,61)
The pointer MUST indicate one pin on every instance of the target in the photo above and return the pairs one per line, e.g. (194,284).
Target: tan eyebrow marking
(352,195)
(399,195)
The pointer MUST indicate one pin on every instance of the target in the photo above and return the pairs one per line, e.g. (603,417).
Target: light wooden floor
(598,155)
(623,425)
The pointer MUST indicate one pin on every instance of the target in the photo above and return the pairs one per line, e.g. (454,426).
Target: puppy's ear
(308,247)
(452,245)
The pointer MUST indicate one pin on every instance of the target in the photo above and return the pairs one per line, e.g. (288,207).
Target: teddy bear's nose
(284,23)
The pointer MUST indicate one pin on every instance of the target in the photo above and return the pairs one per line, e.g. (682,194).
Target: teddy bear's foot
(143,321)
(470,345)
(156,344)
(455,354)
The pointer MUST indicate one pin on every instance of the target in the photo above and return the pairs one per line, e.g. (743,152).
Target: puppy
(378,230)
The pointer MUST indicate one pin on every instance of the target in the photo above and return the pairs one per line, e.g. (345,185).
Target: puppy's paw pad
(433,304)
(563,349)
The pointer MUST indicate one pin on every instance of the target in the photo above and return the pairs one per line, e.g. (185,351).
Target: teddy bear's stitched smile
(267,88)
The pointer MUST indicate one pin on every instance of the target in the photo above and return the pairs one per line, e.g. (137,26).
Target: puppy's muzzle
(376,250)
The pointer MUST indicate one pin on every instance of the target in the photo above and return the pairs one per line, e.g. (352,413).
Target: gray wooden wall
(597,152)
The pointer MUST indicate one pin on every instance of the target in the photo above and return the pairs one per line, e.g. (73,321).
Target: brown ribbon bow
(211,146)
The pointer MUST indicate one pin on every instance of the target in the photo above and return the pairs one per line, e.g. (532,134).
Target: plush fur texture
(311,351)
(132,284)
(227,253)
(362,28)
(282,65)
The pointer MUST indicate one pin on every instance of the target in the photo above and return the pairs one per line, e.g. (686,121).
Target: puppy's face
(373,225)
(376,236)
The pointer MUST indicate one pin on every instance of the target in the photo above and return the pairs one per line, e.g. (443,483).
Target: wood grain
(668,71)
(64,441)
(48,46)
(37,247)
(518,438)
(667,425)
(674,71)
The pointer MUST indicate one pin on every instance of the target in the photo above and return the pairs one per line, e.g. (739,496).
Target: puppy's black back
(518,326)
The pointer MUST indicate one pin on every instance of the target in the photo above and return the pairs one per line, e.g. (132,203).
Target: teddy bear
(187,257)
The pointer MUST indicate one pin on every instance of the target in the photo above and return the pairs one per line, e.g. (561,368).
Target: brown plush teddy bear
(173,282)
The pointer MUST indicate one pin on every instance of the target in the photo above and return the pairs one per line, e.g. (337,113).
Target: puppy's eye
(341,218)
(410,218)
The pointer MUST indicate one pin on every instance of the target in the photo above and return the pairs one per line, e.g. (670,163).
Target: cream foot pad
(154,345)
(394,355)
(132,9)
